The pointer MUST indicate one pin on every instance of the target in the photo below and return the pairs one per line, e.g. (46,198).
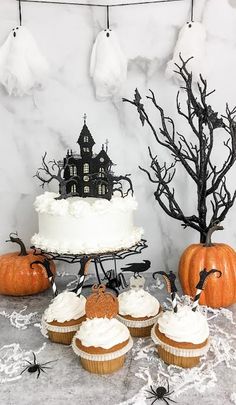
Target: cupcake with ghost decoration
(182,334)
(138,309)
(102,341)
(63,317)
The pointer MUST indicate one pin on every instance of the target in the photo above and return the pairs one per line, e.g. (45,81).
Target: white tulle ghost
(191,42)
(108,66)
(22,66)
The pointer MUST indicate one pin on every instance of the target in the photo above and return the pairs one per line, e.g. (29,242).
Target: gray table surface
(68,382)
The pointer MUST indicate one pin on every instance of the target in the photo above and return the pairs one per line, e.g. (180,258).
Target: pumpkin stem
(210,232)
(15,239)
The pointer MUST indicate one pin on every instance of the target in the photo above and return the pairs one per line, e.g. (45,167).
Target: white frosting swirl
(184,325)
(79,207)
(65,307)
(138,303)
(102,332)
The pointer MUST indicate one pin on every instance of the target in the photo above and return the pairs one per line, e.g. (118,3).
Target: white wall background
(51,119)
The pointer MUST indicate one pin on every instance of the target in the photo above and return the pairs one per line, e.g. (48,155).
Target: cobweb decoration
(191,42)
(22,66)
(222,352)
(20,320)
(12,359)
(108,66)
(233,397)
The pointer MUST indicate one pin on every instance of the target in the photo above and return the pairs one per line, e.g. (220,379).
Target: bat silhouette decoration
(200,285)
(171,287)
(46,264)
(137,268)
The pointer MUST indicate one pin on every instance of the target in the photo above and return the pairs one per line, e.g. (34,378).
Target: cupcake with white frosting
(138,309)
(63,317)
(102,341)
(181,337)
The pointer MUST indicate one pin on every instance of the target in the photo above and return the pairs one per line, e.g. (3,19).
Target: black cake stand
(112,278)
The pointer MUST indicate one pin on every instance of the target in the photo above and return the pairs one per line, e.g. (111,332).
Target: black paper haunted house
(87,174)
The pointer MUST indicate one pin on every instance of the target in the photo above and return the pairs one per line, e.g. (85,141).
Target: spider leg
(163,399)
(153,391)
(168,387)
(26,368)
(38,373)
(45,367)
(31,364)
(154,401)
(34,358)
(169,399)
(150,397)
(47,362)
(41,369)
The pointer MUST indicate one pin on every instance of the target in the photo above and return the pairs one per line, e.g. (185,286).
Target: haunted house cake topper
(84,174)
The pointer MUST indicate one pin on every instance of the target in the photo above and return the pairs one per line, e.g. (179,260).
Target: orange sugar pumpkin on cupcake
(102,341)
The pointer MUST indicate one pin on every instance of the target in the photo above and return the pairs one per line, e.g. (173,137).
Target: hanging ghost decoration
(108,66)
(190,43)
(22,66)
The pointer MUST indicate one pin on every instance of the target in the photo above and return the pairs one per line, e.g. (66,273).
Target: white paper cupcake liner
(101,357)
(60,329)
(177,351)
(137,324)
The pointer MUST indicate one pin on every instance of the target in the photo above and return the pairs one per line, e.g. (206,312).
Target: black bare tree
(213,196)
(54,170)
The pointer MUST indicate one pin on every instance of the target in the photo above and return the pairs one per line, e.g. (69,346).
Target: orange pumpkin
(17,278)
(218,292)
(101,304)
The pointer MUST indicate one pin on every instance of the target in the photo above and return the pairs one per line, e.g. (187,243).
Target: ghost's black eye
(17,28)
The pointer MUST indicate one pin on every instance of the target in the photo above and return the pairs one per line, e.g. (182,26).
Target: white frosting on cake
(85,225)
(138,303)
(184,325)
(102,332)
(65,307)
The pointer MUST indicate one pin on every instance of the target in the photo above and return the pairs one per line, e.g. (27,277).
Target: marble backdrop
(51,119)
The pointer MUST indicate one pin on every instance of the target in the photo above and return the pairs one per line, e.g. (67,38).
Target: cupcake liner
(60,329)
(176,351)
(60,334)
(101,357)
(138,324)
(62,338)
(140,332)
(102,367)
(184,362)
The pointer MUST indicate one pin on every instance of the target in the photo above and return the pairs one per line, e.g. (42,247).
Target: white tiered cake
(85,225)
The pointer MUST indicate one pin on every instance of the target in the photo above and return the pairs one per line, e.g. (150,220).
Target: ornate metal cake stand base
(112,278)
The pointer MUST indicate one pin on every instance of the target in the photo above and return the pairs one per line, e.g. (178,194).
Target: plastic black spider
(115,282)
(33,367)
(161,393)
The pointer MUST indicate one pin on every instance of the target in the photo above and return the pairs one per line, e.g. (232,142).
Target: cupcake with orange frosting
(138,309)
(63,316)
(102,341)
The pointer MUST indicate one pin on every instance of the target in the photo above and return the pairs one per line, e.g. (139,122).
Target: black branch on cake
(214,198)
(53,170)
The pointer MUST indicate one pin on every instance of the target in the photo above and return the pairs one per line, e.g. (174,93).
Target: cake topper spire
(85,118)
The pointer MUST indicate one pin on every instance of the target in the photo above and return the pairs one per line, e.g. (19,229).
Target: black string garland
(72,3)
(192,6)
(20,13)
